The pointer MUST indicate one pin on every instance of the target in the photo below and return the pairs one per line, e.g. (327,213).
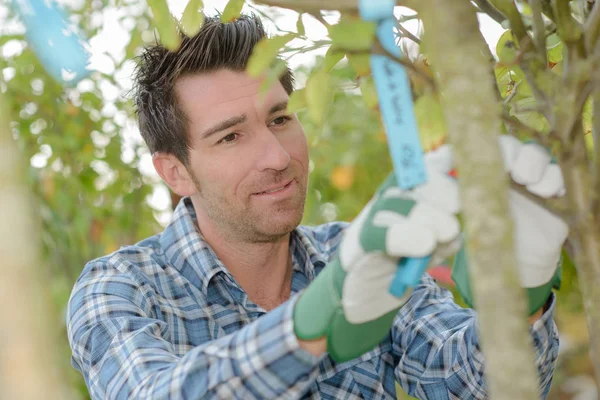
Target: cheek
(219,176)
(297,147)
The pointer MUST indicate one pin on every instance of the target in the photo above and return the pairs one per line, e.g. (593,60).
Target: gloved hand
(539,234)
(349,301)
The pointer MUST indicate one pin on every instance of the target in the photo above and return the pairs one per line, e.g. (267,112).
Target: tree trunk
(28,366)
(472,113)
(585,238)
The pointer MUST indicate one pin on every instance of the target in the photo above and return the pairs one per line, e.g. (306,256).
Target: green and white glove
(539,234)
(349,301)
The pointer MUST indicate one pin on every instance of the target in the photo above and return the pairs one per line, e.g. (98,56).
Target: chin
(275,230)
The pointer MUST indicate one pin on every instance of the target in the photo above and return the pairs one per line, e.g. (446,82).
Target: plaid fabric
(165,319)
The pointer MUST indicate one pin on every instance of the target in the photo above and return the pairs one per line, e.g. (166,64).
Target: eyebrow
(282,105)
(223,125)
(239,119)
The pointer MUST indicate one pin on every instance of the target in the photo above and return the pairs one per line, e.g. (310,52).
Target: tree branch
(592,28)
(534,65)
(568,28)
(335,5)
(548,11)
(420,72)
(584,235)
(510,10)
(512,94)
(312,5)
(539,29)
(596,137)
(558,206)
(407,34)
(546,140)
(486,8)
(319,17)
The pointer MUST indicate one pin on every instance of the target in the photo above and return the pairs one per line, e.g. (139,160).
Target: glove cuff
(536,296)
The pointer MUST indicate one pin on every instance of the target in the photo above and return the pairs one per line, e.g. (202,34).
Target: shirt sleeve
(436,346)
(124,352)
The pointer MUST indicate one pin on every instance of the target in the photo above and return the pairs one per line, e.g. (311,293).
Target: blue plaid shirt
(165,319)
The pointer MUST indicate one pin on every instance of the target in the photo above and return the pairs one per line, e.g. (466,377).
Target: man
(235,300)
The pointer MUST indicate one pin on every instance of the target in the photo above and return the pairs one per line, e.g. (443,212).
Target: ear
(174,173)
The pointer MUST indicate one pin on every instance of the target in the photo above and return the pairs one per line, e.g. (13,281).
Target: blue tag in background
(54,40)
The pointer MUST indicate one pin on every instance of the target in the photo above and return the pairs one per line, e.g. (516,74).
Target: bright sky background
(110,43)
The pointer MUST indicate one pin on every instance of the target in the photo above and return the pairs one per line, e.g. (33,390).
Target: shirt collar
(306,258)
(188,252)
(186,249)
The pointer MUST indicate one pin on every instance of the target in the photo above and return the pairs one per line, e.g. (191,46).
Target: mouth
(275,190)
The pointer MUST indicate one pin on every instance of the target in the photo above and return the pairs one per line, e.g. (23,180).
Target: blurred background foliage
(89,168)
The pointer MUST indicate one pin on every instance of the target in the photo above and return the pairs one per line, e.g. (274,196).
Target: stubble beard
(248,225)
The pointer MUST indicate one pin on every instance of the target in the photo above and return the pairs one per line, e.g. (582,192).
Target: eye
(229,138)
(282,120)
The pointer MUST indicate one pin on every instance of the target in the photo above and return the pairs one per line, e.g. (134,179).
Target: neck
(263,270)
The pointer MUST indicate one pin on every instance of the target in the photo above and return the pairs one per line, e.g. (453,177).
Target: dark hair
(216,46)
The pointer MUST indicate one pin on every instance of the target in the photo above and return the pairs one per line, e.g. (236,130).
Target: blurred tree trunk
(471,109)
(29,367)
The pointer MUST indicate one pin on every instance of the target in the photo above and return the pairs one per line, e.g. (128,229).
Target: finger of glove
(351,249)
(440,191)
(539,236)
(406,239)
(445,250)
(510,148)
(445,226)
(440,159)
(365,294)
(410,239)
(551,184)
(531,163)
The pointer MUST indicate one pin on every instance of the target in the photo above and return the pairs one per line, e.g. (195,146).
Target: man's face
(249,158)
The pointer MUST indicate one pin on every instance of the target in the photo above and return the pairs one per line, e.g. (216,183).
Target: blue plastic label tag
(54,39)
(395,102)
(396,105)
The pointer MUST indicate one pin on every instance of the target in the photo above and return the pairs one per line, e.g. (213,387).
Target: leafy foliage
(86,171)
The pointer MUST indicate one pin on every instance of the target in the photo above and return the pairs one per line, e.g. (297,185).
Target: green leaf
(135,41)
(192,18)
(369,92)
(165,24)
(555,48)
(318,95)
(332,57)
(506,48)
(300,25)
(297,101)
(353,34)
(360,62)
(503,79)
(273,74)
(232,10)
(7,38)
(265,53)
(529,117)
(430,120)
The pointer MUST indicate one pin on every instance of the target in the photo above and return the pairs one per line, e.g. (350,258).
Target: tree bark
(472,114)
(28,365)
(584,237)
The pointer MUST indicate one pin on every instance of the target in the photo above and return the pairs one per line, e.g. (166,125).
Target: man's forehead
(219,89)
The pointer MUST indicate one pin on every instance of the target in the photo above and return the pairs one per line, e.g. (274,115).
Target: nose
(272,154)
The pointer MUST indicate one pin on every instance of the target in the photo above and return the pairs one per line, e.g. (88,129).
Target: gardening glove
(349,302)
(539,235)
